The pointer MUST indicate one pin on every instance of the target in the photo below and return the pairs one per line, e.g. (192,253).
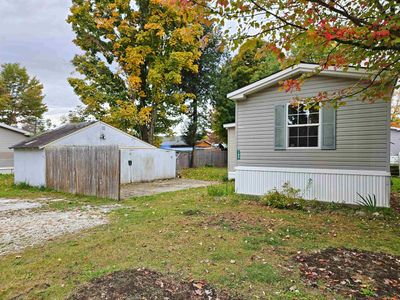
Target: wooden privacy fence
(84,170)
(202,158)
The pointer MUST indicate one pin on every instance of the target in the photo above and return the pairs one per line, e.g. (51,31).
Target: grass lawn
(395,184)
(205,173)
(229,240)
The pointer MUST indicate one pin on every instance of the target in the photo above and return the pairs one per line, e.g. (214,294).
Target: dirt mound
(145,284)
(353,273)
(395,202)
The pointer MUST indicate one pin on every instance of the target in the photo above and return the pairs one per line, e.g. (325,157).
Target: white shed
(140,161)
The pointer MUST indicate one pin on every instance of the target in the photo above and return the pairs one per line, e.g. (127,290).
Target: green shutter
(280,127)
(328,127)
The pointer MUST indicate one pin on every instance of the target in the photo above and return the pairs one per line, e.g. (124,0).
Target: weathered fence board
(84,170)
(183,160)
(202,158)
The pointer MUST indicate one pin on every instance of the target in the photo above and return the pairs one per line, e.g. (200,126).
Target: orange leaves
(291,85)
(380,34)
(223,3)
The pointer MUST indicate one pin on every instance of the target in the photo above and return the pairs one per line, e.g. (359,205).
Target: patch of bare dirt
(353,273)
(239,221)
(395,202)
(145,284)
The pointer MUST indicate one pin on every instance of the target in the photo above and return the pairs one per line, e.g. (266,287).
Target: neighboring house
(331,155)
(394,145)
(9,136)
(232,149)
(203,144)
(30,155)
(175,143)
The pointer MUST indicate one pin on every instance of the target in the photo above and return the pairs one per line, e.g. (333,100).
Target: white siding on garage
(91,135)
(30,166)
(139,165)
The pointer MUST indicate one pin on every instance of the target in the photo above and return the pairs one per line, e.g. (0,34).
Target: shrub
(288,198)
(221,190)
(369,202)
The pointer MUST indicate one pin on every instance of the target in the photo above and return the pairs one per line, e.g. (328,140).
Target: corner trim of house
(314,170)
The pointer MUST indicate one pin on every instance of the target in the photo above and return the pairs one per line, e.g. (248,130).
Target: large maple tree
(134,56)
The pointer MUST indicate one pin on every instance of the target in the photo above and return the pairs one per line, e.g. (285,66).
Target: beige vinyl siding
(8,138)
(362,131)
(231,149)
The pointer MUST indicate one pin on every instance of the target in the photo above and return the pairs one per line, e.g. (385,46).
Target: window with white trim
(303,127)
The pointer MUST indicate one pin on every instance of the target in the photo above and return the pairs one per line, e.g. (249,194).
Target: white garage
(138,160)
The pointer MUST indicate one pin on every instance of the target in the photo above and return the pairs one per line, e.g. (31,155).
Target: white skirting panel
(328,185)
(231,175)
(6,170)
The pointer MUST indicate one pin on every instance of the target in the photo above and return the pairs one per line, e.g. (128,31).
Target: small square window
(303,141)
(313,142)
(294,131)
(292,110)
(293,120)
(313,118)
(303,130)
(303,119)
(312,130)
(293,142)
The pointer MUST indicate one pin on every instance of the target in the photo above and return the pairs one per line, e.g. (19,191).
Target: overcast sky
(35,34)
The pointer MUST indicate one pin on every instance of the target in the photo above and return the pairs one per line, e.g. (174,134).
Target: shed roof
(15,129)
(48,137)
(273,79)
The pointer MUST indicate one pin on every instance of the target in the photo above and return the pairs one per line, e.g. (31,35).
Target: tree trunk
(152,125)
(144,133)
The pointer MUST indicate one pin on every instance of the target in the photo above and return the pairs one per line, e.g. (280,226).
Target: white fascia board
(229,125)
(241,93)
(314,170)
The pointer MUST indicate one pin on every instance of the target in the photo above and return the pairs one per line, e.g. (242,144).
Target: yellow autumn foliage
(147,46)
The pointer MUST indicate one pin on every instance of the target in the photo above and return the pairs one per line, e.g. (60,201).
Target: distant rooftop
(173,141)
(15,129)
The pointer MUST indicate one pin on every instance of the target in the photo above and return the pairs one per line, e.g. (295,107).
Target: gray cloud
(35,34)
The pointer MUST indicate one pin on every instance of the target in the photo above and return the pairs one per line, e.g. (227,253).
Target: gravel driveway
(160,186)
(22,225)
